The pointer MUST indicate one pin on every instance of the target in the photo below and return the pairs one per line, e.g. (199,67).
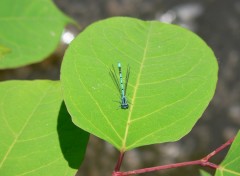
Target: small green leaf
(31,29)
(231,164)
(173,76)
(36,132)
(204,173)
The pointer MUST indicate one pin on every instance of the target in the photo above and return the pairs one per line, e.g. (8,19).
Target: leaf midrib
(135,89)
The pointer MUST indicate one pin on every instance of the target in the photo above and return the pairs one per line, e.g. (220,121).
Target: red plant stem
(229,142)
(203,162)
(119,162)
(168,166)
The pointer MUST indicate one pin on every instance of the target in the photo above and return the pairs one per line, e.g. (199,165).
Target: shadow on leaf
(73,140)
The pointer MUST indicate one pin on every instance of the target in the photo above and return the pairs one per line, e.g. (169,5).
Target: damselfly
(119,84)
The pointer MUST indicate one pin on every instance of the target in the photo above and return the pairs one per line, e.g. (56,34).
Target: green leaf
(231,164)
(3,51)
(31,29)
(36,132)
(172,79)
(204,173)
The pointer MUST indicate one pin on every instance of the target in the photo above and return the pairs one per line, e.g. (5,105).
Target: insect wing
(127,78)
(114,77)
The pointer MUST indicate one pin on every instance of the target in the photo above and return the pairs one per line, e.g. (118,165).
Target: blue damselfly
(122,89)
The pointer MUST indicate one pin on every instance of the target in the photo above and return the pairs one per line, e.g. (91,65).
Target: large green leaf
(172,79)
(36,132)
(31,29)
(3,51)
(231,164)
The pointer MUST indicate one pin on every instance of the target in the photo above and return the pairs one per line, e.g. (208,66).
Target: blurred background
(215,21)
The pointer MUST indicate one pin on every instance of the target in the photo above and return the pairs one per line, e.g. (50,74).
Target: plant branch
(229,142)
(202,162)
(119,162)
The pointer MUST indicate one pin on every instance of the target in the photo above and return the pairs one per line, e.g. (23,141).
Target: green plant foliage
(3,51)
(204,173)
(231,164)
(37,135)
(173,76)
(31,29)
